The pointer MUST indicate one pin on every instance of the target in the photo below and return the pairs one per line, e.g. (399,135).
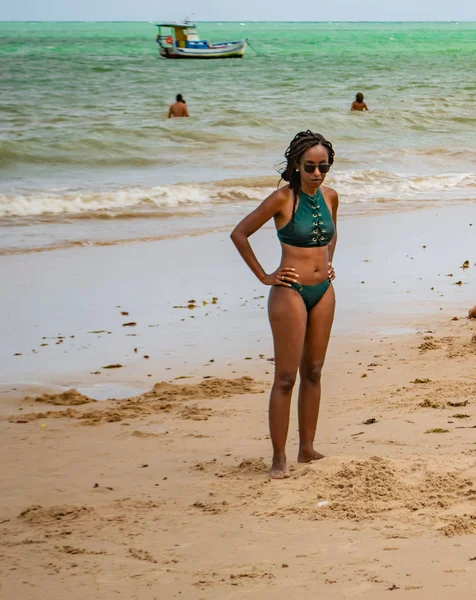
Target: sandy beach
(150,480)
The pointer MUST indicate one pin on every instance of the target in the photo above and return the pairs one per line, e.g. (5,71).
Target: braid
(301,142)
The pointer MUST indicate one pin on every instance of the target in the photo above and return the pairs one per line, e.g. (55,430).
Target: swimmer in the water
(179,108)
(358,103)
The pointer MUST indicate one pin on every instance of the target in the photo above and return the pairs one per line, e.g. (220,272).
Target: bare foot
(279,469)
(472,313)
(306,456)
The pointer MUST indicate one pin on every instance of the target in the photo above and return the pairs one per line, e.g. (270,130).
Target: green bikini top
(313,224)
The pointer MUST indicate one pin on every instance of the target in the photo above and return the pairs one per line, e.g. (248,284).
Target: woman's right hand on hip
(283,276)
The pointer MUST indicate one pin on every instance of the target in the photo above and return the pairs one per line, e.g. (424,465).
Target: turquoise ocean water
(87,155)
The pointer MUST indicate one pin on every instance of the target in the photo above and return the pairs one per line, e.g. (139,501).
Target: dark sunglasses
(311,167)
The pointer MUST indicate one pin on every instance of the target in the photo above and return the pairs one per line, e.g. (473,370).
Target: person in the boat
(472,313)
(301,300)
(358,103)
(179,108)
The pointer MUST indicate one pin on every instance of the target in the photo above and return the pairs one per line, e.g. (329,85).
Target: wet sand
(69,313)
(166,494)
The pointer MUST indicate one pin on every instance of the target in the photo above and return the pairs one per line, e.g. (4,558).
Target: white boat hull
(225,50)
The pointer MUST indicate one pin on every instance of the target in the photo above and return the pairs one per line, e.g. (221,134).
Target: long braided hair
(302,141)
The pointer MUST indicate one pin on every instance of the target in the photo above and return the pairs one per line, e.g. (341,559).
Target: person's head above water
(179,98)
(359,97)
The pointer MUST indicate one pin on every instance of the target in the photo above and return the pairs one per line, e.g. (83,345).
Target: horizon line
(227,21)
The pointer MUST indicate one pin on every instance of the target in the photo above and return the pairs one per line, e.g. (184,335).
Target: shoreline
(40,221)
(347,212)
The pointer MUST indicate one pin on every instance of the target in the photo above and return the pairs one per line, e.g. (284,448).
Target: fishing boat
(180,40)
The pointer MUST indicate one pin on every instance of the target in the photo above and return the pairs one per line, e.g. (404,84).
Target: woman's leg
(318,332)
(288,317)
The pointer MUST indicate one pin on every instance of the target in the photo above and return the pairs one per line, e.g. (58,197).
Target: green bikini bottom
(312,294)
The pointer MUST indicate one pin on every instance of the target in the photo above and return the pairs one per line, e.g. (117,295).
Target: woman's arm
(249,225)
(334,198)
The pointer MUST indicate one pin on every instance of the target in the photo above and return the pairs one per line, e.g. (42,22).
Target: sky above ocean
(246,10)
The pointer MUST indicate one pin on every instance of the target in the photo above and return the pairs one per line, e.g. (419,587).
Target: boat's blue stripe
(209,51)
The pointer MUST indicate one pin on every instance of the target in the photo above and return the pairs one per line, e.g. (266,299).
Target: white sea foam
(363,186)
(376,185)
(59,202)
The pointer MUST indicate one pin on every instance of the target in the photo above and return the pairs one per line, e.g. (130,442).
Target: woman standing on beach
(301,301)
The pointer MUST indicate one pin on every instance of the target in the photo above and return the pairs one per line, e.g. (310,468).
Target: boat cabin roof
(177,25)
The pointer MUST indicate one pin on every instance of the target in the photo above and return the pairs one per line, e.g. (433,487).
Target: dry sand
(165,494)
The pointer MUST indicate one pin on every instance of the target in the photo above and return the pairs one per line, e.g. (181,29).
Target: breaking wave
(354,187)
